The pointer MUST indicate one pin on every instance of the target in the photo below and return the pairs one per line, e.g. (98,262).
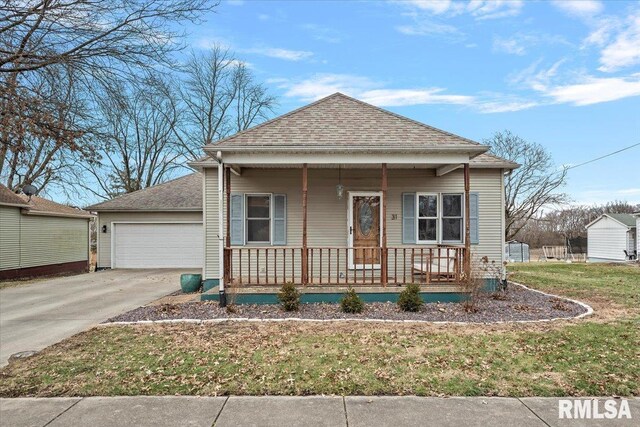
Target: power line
(602,157)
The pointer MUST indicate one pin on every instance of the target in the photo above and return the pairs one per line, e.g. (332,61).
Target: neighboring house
(609,236)
(637,216)
(341,192)
(40,237)
(157,227)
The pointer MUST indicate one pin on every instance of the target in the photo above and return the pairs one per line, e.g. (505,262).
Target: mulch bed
(517,303)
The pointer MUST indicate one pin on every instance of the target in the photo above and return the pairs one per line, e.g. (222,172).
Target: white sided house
(341,193)
(612,238)
(637,216)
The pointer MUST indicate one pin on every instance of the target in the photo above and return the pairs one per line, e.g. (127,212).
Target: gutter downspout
(221,291)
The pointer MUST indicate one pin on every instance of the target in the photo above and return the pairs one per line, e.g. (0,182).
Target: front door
(364,229)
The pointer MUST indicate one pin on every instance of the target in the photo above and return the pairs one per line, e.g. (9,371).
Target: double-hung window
(452,216)
(258,218)
(440,218)
(427,218)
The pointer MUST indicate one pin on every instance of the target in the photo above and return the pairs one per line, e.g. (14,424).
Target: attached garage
(157,227)
(157,245)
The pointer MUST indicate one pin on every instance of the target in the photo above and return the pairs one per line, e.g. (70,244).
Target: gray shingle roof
(183,193)
(8,197)
(341,121)
(39,205)
(627,219)
(489,160)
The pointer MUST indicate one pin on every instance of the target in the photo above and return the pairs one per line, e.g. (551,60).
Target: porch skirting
(333,294)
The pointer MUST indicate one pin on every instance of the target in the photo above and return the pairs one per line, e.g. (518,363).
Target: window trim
(418,217)
(439,219)
(246,218)
(461,217)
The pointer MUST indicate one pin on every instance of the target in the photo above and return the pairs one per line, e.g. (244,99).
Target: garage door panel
(147,245)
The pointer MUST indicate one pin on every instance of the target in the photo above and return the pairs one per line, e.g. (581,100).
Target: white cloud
(580,8)
(576,88)
(510,46)
(520,43)
(363,88)
(480,9)
(264,17)
(404,97)
(427,28)
(321,85)
(594,90)
(436,7)
(624,50)
(494,9)
(279,53)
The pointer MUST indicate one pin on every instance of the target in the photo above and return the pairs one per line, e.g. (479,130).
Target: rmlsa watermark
(593,409)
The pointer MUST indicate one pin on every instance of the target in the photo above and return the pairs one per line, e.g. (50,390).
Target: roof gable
(184,193)
(625,220)
(341,121)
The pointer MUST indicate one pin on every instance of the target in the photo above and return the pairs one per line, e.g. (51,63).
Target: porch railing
(254,266)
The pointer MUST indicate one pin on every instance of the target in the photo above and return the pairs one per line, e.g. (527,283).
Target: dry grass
(598,356)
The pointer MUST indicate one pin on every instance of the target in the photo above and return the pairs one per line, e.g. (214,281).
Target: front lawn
(603,284)
(579,357)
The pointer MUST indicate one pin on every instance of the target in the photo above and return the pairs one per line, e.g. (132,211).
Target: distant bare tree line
(554,227)
(93,100)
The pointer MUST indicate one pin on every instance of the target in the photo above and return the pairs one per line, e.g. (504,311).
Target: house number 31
(394,216)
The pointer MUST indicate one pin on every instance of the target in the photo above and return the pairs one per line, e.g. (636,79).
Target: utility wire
(602,157)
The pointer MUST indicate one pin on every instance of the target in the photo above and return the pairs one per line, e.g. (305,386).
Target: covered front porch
(364,258)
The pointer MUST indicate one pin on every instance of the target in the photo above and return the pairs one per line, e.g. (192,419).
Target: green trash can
(190,282)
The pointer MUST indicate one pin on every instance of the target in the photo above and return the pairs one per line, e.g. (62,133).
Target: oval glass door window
(365,217)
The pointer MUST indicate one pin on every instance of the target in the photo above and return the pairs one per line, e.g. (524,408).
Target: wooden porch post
(227,259)
(467,223)
(305,264)
(383,256)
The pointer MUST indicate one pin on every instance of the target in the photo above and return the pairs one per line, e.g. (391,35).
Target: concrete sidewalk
(293,411)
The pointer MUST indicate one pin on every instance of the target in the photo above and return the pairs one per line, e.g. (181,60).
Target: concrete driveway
(42,312)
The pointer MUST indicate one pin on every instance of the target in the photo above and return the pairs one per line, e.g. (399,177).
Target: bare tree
(43,124)
(530,187)
(138,146)
(93,41)
(221,97)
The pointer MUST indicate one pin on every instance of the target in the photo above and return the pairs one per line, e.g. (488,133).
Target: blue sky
(563,74)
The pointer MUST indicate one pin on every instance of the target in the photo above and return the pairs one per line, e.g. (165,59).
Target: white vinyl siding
(107,218)
(327,215)
(606,240)
(157,245)
(36,240)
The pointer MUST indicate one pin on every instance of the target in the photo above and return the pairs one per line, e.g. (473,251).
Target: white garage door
(146,245)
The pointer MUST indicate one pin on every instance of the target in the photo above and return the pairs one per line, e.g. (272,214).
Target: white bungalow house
(611,238)
(342,193)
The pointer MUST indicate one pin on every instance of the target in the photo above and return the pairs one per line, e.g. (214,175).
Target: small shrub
(409,299)
(231,308)
(289,297)
(351,302)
